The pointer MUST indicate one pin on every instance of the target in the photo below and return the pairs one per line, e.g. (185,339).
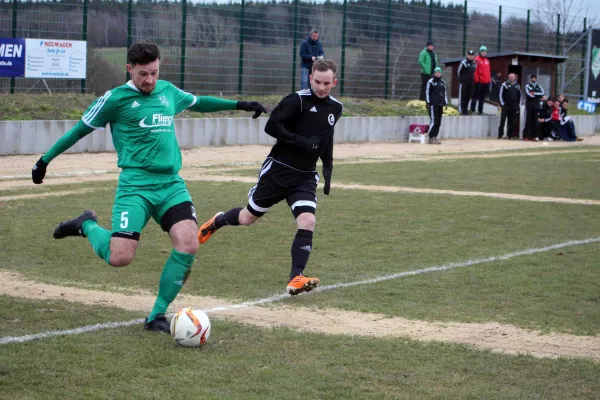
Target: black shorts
(277,181)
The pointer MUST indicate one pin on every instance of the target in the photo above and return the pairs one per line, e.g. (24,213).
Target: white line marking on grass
(278,297)
(399,189)
(82,329)
(46,194)
(61,174)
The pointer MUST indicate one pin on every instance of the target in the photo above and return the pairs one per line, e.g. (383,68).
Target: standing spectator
(311,49)
(466,74)
(428,63)
(435,95)
(510,99)
(534,93)
(482,80)
(496,84)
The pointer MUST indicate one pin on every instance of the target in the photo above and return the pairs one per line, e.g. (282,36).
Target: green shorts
(142,196)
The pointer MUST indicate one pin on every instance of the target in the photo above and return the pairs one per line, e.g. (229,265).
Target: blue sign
(587,106)
(12,57)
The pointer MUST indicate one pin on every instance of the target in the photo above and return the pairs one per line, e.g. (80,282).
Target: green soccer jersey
(142,126)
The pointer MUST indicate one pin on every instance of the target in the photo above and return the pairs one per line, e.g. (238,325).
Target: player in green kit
(141,116)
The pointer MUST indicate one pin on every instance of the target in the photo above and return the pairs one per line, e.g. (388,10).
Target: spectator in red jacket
(482,80)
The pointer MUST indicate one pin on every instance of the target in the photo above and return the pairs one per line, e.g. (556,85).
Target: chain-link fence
(253,47)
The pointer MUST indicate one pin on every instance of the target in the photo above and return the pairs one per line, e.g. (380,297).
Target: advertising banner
(593,84)
(12,57)
(49,58)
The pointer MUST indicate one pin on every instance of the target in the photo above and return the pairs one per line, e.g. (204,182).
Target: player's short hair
(143,52)
(314,30)
(324,66)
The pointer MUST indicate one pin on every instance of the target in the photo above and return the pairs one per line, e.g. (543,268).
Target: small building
(522,64)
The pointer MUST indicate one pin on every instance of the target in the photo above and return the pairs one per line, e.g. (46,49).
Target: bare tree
(329,24)
(571,13)
(398,69)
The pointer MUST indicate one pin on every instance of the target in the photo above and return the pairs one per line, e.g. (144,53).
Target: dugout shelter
(523,64)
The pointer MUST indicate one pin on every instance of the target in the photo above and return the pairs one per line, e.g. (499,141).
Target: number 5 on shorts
(124,219)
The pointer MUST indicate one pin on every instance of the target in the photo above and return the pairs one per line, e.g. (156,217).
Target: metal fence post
(429,31)
(183,43)
(14,35)
(241,58)
(557,34)
(557,52)
(84,33)
(583,54)
(465,20)
(343,66)
(387,48)
(499,28)
(294,41)
(129,29)
(527,31)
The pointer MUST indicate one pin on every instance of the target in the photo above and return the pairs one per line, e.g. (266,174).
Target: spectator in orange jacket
(482,80)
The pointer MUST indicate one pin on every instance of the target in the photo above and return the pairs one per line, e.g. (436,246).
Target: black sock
(301,248)
(231,217)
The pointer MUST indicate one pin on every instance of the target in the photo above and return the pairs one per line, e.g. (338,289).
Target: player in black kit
(303,124)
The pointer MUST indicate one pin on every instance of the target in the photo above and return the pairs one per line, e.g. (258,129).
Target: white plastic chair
(418,132)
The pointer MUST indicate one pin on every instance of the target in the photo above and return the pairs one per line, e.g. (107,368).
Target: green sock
(98,237)
(174,274)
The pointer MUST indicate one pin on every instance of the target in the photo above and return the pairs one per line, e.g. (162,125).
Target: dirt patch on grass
(19,167)
(492,336)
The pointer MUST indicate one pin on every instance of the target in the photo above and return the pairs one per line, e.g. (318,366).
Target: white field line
(46,194)
(195,176)
(400,189)
(272,299)
(508,196)
(61,174)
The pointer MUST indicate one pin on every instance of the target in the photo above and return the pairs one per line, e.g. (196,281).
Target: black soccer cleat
(72,227)
(158,324)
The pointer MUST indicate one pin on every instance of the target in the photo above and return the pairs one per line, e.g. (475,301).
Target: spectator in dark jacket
(482,80)
(437,99)
(534,93)
(428,62)
(510,99)
(311,49)
(496,84)
(545,120)
(567,126)
(466,76)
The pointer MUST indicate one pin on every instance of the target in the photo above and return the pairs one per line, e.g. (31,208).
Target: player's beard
(147,89)
(319,95)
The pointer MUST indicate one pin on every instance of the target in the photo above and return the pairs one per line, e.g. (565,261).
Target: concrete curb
(33,137)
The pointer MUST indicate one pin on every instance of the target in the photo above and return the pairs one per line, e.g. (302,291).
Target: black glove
(309,145)
(327,175)
(39,171)
(251,106)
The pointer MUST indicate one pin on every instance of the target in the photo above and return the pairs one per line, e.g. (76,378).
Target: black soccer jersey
(304,114)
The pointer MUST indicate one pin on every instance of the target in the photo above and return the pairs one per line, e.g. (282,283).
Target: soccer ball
(190,327)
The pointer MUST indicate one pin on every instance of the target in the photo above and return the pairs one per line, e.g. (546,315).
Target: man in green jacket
(428,62)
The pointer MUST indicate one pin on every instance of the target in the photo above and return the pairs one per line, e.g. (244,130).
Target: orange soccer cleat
(207,229)
(301,284)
